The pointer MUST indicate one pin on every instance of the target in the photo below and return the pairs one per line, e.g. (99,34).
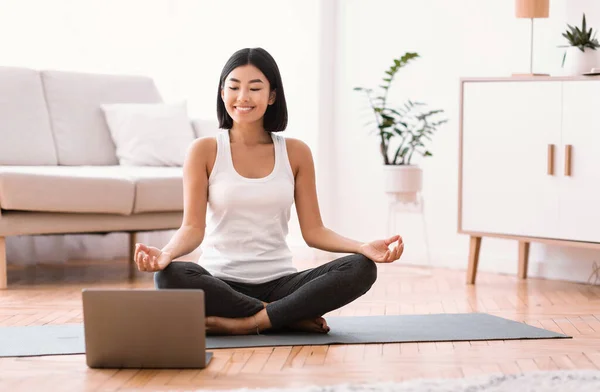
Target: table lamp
(532,9)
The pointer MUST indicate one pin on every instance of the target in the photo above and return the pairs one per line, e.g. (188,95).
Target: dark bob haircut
(276,116)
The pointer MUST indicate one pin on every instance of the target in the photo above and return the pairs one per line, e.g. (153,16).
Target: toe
(323,324)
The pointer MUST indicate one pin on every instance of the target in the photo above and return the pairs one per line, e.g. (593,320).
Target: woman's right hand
(151,259)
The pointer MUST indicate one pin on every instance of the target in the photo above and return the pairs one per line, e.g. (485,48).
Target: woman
(250,176)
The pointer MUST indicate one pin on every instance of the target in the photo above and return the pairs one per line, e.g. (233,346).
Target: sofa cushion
(78,125)
(90,189)
(156,188)
(156,134)
(25,134)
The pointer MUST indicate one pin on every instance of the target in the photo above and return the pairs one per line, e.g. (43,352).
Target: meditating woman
(249,176)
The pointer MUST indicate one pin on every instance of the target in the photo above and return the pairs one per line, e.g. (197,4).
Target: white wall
(324,49)
(455,39)
(574,10)
(183,45)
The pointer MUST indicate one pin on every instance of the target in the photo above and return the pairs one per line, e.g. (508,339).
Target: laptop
(144,328)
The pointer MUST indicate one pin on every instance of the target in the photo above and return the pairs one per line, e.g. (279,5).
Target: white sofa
(59,172)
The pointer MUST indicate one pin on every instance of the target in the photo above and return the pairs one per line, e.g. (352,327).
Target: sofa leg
(131,261)
(3,272)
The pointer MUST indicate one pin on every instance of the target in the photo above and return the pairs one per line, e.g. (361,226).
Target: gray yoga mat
(69,338)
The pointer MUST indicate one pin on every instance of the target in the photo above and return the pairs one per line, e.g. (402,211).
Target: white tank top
(245,240)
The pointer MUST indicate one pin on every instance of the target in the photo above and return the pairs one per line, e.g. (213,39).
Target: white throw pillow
(205,127)
(156,134)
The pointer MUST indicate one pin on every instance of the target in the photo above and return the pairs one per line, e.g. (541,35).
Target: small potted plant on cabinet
(402,133)
(581,55)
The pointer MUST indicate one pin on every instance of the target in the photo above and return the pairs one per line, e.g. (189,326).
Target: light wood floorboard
(52,295)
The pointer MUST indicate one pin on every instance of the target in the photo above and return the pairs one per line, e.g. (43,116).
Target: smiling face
(246,94)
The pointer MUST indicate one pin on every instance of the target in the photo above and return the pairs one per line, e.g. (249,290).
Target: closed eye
(252,89)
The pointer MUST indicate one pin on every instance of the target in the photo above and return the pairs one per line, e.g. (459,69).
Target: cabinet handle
(568,149)
(551,159)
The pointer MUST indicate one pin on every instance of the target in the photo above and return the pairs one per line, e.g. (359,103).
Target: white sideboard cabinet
(529,163)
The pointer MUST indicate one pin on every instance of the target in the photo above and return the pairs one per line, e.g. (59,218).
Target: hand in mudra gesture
(379,250)
(151,259)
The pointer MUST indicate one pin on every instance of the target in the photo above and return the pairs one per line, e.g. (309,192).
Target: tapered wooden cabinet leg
(3,269)
(131,261)
(523,259)
(474,246)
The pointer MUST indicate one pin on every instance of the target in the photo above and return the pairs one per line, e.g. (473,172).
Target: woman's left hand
(379,250)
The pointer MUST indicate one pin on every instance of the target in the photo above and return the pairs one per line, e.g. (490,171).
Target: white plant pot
(403,182)
(578,62)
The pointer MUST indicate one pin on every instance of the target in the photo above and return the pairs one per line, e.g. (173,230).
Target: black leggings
(299,296)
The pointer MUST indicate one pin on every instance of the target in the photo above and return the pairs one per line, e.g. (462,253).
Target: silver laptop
(144,328)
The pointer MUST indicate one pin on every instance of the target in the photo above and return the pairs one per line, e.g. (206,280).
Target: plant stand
(419,208)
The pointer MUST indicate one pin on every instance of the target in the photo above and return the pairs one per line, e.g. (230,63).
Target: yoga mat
(69,338)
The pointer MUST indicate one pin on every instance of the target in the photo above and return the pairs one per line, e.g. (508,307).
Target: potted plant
(402,132)
(581,54)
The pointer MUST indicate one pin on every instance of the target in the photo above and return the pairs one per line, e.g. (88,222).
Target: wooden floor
(51,295)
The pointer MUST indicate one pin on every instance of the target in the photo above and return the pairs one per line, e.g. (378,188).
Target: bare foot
(318,325)
(238,326)
(228,326)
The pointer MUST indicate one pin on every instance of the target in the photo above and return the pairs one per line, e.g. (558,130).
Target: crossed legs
(296,301)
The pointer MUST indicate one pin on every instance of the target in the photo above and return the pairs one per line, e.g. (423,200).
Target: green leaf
(387,135)
(396,112)
(580,37)
(410,124)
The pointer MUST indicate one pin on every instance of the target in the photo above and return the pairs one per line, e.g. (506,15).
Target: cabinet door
(579,192)
(507,127)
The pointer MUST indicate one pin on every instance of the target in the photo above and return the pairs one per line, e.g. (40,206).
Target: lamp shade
(532,8)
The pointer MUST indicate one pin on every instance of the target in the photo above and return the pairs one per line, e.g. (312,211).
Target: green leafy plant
(408,125)
(580,38)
